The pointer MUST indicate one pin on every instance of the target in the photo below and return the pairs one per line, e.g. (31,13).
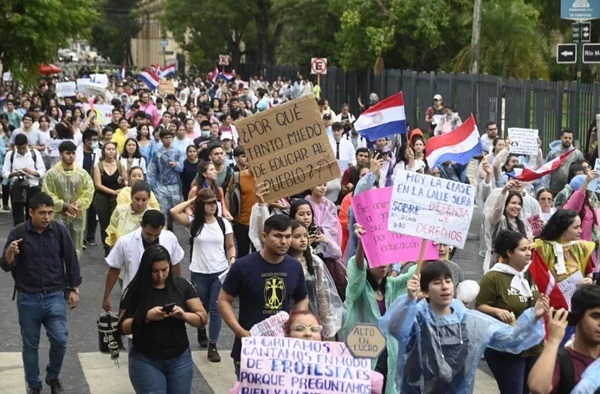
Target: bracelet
(232,257)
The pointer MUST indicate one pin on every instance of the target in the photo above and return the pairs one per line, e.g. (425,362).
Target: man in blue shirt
(42,258)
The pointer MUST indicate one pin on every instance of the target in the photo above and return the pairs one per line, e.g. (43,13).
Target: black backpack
(235,197)
(567,372)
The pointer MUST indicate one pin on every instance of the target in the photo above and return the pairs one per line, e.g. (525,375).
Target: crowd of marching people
(166,160)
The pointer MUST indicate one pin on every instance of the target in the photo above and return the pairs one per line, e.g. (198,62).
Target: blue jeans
(208,287)
(35,310)
(150,375)
(510,370)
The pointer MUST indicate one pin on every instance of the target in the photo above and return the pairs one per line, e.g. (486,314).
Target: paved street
(86,370)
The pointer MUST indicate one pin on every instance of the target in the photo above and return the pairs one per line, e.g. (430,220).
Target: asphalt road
(86,370)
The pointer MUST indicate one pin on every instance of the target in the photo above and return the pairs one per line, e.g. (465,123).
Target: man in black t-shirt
(265,282)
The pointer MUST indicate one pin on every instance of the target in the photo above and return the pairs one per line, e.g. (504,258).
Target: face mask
(94,145)
(205,133)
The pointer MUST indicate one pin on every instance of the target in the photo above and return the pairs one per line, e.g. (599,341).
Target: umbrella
(49,69)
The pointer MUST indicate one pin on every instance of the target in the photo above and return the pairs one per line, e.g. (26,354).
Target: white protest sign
(100,78)
(272,365)
(569,285)
(82,84)
(103,113)
(66,89)
(431,208)
(7,76)
(594,183)
(523,141)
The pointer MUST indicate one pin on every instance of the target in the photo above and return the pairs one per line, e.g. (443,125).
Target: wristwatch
(75,290)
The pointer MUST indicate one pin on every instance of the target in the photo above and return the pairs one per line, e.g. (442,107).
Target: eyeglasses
(302,328)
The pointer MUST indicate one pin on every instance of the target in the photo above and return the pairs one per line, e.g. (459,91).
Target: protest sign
(272,365)
(523,141)
(82,84)
(431,208)
(66,89)
(594,184)
(569,285)
(100,79)
(7,76)
(366,340)
(382,247)
(166,87)
(288,148)
(103,112)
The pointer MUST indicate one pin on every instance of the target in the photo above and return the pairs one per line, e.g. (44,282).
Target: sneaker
(213,354)
(202,338)
(92,243)
(55,386)
(33,391)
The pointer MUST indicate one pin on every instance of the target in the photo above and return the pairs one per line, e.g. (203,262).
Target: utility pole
(476,38)
(578,92)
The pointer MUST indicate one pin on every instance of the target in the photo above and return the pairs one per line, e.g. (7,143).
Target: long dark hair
(373,282)
(199,218)
(402,152)
(202,168)
(138,295)
(136,154)
(520,224)
(310,266)
(558,224)
(296,204)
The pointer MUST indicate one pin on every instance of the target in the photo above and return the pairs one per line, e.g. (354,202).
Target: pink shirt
(590,216)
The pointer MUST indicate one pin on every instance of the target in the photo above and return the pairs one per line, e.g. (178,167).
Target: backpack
(221,222)
(227,179)
(21,231)
(12,157)
(338,272)
(567,372)
(235,197)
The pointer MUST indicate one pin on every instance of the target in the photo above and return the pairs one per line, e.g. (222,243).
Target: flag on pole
(460,145)
(383,119)
(546,282)
(150,79)
(528,175)
(167,71)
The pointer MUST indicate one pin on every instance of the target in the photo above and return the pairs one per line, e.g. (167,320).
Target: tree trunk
(476,38)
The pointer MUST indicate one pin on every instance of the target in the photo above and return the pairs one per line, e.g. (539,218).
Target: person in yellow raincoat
(135,174)
(127,218)
(72,190)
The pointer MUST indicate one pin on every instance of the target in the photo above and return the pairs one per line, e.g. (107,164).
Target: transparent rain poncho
(440,354)
(67,187)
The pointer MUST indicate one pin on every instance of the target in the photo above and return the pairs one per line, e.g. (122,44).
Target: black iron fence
(547,106)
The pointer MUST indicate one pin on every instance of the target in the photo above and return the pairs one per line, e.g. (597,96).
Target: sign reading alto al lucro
(288,148)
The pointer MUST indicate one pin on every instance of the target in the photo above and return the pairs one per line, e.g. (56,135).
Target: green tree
(34,30)
(512,42)
(112,35)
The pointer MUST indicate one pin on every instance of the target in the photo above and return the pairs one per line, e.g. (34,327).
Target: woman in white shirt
(406,160)
(132,157)
(212,252)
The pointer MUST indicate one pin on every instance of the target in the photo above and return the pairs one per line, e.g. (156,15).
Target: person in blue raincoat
(440,341)
(590,380)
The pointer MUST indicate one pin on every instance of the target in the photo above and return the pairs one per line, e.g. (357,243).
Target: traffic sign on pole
(164,43)
(365,340)
(318,65)
(580,10)
(566,53)
(586,31)
(591,53)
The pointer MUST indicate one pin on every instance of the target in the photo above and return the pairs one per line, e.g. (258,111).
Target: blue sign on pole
(580,10)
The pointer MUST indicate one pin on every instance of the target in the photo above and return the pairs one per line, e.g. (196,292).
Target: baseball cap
(437,97)
(206,195)
(226,135)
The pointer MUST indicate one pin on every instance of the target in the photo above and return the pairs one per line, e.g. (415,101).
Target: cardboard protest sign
(523,141)
(166,87)
(103,113)
(431,208)
(272,365)
(66,89)
(288,148)
(382,247)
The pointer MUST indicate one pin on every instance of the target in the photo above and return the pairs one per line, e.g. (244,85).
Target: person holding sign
(506,291)
(369,294)
(582,203)
(441,341)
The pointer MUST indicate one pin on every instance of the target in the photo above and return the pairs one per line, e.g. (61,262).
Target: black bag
(235,197)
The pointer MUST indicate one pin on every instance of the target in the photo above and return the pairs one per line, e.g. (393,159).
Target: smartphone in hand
(168,308)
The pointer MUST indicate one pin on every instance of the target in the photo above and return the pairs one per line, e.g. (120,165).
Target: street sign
(365,341)
(164,43)
(566,53)
(591,53)
(580,10)
(318,65)
(586,31)
(167,52)
(223,60)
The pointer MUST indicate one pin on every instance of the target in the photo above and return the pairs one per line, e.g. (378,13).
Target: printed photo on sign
(103,112)
(523,141)
(382,247)
(431,208)
(288,148)
(279,365)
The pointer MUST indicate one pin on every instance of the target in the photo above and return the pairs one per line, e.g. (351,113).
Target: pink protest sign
(290,365)
(371,210)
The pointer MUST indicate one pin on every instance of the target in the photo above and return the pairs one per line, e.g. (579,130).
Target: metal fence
(547,106)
